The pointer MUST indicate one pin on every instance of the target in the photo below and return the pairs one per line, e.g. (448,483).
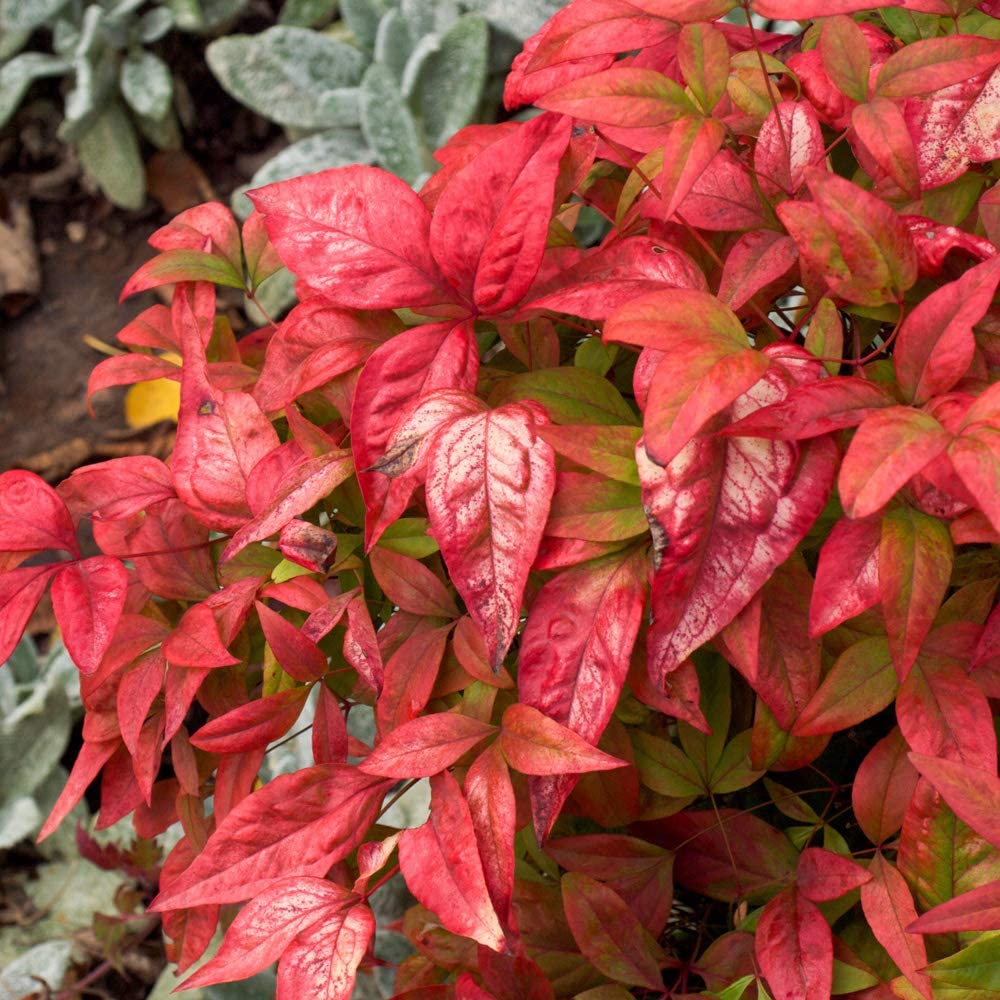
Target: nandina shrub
(669,561)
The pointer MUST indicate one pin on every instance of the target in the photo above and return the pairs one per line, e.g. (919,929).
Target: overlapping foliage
(666,561)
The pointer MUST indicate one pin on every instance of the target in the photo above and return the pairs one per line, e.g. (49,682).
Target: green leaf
(389,126)
(568,395)
(109,152)
(290,75)
(362,18)
(409,537)
(394,43)
(850,979)
(146,85)
(17,76)
(26,15)
(307,13)
(970,974)
(665,768)
(596,356)
(450,83)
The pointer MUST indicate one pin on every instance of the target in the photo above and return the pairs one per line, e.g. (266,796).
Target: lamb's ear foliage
(600,532)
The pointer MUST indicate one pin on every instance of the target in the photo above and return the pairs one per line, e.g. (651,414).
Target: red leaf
(722,199)
(196,641)
(915,560)
(489,487)
(608,933)
(689,147)
(789,141)
(822,875)
(535,744)
(493,808)
(356,235)
(423,747)
(20,591)
(297,655)
(935,345)
(574,656)
(297,824)
(814,409)
(856,241)
(220,435)
(329,731)
(189,230)
(756,259)
(33,516)
(942,713)
(794,946)
(441,866)
(769,643)
(308,545)
(884,145)
(976,910)
(847,580)
(405,368)
(724,513)
(846,56)
(262,259)
(975,453)
(88,598)
(89,761)
(409,676)
(323,960)
(888,449)
(888,907)
(270,924)
(409,584)
(252,725)
(609,277)
(491,222)
(801,10)
(137,691)
(934,64)
(305,485)
(883,788)
(626,96)
(118,488)
(951,128)
(972,794)
(315,343)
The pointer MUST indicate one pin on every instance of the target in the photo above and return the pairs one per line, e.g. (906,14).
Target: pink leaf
(297,824)
(441,865)
(822,875)
(252,725)
(323,961)
(33,516)
(976,910)
(574,655)
(489,487)
(269,924)
(794,946)
(88,598)
(305,485)
(756,259)
(491,222)
(789,141)
(890,447)
(724,513)
(425,746)
(935,345)
(20,591)
(846,574)
(118,488)
(888,907)
(356,235)
(405,368)
(883,787)
(493,808)
(535,744)
(972,794)
(220,435)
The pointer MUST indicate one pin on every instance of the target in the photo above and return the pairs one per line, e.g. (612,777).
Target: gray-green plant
(115,88)
(388,83)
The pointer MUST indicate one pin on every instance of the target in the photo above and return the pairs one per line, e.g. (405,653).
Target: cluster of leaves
(609,539)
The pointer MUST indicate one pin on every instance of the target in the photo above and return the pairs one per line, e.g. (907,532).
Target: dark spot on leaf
(206,409)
